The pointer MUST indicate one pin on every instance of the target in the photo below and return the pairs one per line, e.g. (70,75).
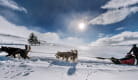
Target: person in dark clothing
(129,55)
(135,51)
(130,58)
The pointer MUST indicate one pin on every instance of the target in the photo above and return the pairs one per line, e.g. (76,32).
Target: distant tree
(33,40)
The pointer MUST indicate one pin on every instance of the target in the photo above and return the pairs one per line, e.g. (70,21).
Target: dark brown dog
(23,52)
(9,50)
(13,51)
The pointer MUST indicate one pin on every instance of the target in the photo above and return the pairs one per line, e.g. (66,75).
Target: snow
(43,65)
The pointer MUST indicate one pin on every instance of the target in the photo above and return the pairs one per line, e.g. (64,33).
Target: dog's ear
(26,46)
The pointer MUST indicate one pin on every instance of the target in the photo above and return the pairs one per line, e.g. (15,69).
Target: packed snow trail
(43,65)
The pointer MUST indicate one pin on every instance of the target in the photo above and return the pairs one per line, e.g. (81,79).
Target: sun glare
(81,26)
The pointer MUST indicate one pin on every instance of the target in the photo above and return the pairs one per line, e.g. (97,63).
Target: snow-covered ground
(44,66)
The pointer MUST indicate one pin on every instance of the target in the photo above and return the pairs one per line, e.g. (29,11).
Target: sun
(81,26)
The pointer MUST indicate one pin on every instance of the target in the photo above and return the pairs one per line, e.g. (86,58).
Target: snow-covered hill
(44,66)
(11,39)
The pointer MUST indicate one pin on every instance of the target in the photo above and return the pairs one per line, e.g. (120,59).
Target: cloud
(13,5)
(100,35)
(8,28)
(73,41)
(22,31)
(120,28)
(117,10)
(124,38)
(51,37)
(119,4)
(113,16)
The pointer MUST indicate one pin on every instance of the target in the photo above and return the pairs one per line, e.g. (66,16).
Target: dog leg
(7,55)
(14,55)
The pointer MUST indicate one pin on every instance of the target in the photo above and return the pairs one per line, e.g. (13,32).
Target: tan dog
(72,55)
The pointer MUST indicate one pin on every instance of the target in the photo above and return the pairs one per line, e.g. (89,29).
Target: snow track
(19,69)
(43,65)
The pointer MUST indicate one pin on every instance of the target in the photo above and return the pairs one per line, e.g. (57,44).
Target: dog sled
(129,61)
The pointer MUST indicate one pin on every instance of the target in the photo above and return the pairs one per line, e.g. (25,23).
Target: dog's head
(27,48)
(74,51)
(3,48)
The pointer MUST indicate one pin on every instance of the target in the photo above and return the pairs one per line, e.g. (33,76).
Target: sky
(88,21)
